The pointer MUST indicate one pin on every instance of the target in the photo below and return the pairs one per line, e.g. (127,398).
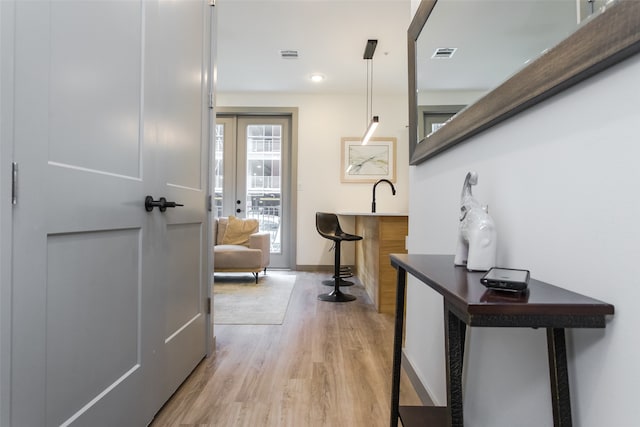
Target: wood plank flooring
(328,364)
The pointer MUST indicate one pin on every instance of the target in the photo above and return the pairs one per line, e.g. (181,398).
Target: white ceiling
(494,39)
(330,36)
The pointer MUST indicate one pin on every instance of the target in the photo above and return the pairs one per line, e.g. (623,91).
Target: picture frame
(368,163)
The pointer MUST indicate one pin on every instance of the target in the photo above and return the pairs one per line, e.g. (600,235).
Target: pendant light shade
(369,50)
(370,130)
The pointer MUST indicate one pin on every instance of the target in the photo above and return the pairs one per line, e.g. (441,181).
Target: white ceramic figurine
(476,246)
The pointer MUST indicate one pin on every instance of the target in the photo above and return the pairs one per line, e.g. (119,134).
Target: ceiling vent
(444,52)
(289,54)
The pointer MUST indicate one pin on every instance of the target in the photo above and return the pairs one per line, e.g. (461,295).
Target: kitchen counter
(374,214)
(383,233)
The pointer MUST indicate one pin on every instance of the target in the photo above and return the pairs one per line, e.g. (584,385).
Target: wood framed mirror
(602,40)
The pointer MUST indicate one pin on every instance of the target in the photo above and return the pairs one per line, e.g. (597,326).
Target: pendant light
(369,49)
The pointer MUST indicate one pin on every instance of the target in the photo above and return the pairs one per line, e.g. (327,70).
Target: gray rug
(237,300)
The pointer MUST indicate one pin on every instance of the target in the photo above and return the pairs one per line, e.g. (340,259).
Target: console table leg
(454,335)
(559,376)
(397,346)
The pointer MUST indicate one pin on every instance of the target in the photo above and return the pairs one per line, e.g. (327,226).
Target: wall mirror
(503,69)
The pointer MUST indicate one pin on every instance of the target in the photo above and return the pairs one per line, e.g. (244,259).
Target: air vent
(289,54)
(444,52)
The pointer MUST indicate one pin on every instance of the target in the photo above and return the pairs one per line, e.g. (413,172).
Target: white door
(108,299)
(177,132)
(253,176)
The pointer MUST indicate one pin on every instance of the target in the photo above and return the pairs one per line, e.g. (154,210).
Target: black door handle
(161,204)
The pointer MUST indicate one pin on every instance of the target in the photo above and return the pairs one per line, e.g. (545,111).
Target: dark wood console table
(468,302)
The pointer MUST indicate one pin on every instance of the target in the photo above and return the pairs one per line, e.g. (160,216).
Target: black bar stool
(328,226)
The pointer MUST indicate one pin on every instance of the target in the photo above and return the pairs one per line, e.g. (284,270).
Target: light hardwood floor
(328,364)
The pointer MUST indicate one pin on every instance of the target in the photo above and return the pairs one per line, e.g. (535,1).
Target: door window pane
(218,184)
(263,179)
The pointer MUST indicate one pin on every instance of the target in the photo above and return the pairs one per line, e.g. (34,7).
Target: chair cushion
(236,258)
(238,231)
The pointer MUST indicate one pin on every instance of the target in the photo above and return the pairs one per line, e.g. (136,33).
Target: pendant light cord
(366,105)
(369,100)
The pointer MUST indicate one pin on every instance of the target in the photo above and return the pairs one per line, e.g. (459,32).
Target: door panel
(92,315)
(184,276)
(262,179)
(105,294)
(179,105)
(183,341)
(94,97)
(178,120)
(76,220)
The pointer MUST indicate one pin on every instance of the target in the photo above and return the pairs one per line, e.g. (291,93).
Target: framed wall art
(368,163)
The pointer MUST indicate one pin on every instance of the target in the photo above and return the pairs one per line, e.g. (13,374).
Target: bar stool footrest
(332,282)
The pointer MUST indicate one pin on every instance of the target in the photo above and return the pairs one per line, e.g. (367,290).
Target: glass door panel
(224,167)
(263,190)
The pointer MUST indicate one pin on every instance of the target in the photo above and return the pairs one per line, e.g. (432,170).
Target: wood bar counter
(382,234)
(468,303)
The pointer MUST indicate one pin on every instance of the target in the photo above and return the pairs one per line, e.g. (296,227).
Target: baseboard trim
(421,391)
(320,268)
(314,268)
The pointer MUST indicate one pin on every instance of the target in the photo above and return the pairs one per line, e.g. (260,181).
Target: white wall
(322,121)
(561,181)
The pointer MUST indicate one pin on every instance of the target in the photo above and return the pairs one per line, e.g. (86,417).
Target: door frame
(210,122)
(292,113)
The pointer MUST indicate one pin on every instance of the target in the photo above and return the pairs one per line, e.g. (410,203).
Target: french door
(252,176)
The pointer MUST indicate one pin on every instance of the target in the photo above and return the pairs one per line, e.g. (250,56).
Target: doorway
(253,176)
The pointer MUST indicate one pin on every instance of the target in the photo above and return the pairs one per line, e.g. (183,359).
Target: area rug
(238,300)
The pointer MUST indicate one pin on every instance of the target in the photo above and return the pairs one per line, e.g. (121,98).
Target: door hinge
(209,305)
(209,203)
(14,183)
(211,100)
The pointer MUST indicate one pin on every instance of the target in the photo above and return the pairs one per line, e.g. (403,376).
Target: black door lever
(162,204)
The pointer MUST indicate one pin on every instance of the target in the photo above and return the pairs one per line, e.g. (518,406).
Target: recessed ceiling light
(317,77)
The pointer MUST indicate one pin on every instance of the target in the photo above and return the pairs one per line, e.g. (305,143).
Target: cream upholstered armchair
(240,247)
